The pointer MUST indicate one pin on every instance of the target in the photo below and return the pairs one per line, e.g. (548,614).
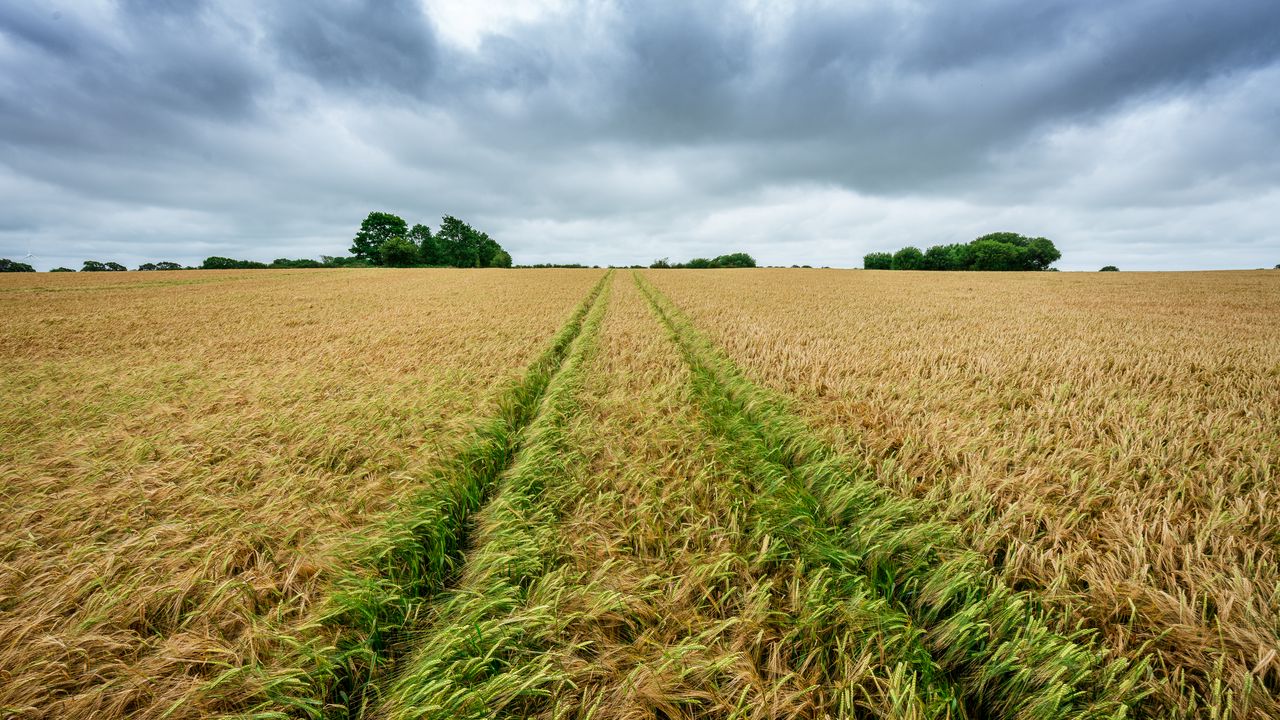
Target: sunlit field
(655,494)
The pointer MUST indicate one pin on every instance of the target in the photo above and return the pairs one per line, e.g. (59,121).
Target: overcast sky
(1140,134)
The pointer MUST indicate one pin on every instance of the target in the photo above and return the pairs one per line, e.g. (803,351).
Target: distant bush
(731,260)
(397,252)
(95,266)
(908,258)
(1109,268)
(344,262)
(62,269)
(384,238)
(216,262)
(995,251)
(878,261)
(7,265)
(147,267)
(573,266)
(735,260)
(299,263)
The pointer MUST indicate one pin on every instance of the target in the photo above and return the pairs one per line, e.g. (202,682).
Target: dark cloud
(806,133)
(358,46)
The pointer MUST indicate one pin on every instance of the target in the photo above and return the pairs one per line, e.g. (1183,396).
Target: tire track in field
(485,649)
(992,645)
(341,656)
(690,619)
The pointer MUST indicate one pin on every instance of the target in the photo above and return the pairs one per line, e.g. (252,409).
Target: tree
(878,261)
(996,255)
(288,264)
(1026,254)
(699,264)
(500,259)
(429,250)
(397,252)
(7,265)
(116,267)
(1109,268)
(1041,253)
(735,260)
(662,263)
(956,256)
(937,258)
(216,262)
(487,250)
(376,229)
(93,266)
(908,258)
(458,243)
(62,269)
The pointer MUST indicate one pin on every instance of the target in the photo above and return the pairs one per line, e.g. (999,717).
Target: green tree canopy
(908,258)
(376,229)
(735,260)
(397,252)
(216,262)
(96,266)
(730,260)
(878,261)
(994,251)
(7,265)
(429,250)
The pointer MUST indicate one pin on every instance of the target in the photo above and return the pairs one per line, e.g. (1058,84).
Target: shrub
(62,269)
(1109,268)
(216,262)
(908,258)
(735,260)
(878,261)
(994,251)
(95,266)
(397,252)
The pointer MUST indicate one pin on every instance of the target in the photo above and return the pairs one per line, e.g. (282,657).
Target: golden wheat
(182,453)
(749,494)
(1110,441)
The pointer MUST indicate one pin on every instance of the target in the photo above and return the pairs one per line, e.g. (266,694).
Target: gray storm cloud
(1135,133)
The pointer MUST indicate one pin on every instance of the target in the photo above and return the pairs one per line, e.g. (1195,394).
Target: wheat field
(1111,442)
(656,494)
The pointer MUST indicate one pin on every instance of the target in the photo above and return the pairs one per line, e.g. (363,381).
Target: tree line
(995,251)
(387,240)
(732,260)
(384,240)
